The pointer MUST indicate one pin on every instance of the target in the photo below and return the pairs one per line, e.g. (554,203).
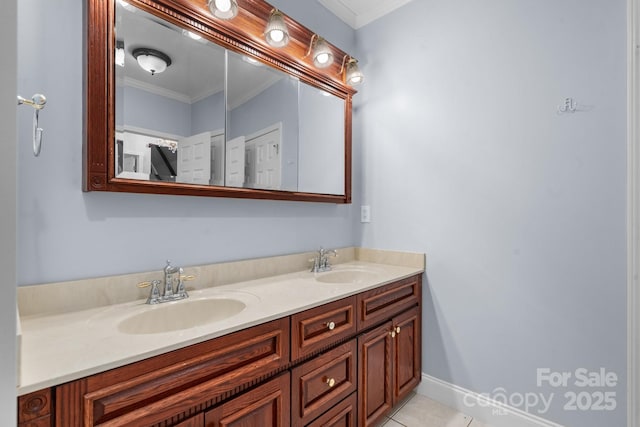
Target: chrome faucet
(321,260)
(172,275)
(169,279)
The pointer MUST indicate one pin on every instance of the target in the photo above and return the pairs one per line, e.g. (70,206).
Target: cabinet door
(265,406)
(375,388)
(407,353)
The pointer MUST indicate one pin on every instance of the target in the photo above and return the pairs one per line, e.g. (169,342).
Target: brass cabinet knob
(397,329)
(331,325)
(330,382)
(393,333)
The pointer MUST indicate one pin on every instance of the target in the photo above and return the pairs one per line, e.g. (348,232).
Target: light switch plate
(365,213)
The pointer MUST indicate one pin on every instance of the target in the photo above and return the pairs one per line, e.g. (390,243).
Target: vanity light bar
(276,34)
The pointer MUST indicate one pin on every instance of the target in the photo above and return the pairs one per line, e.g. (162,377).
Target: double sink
(194,312)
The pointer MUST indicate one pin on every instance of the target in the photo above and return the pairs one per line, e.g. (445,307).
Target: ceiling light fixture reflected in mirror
(321,52)
(151,60)
(223,9)
(276,32)
(353,76)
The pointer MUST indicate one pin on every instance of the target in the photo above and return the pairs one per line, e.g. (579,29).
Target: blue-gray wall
(148,110)
(208,114)
(521,211)
(66,234)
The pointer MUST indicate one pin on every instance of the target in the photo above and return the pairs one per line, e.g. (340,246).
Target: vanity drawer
(344,414)
(380,304)
(320,383)
(317,328)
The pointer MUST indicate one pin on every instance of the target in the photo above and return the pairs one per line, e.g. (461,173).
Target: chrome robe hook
(37,101)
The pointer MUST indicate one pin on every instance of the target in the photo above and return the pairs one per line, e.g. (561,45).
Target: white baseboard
(493,413)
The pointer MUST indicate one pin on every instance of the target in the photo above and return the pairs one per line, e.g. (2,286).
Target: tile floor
(420,411)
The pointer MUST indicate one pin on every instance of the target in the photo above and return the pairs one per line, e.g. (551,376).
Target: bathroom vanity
(343,357)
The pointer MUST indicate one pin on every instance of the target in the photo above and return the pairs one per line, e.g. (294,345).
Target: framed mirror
(180,102)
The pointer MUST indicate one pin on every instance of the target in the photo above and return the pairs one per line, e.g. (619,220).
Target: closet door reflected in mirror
(170,123)
(262,111)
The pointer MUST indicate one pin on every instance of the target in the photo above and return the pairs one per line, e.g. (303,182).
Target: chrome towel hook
(37,101)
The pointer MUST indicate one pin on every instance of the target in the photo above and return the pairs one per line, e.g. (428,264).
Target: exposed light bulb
(353,74)
(223,5)
(223,9)
(322,55)
(323,58)
(277,35)
(276,32)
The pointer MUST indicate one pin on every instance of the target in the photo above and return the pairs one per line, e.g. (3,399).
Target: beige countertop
(61,347)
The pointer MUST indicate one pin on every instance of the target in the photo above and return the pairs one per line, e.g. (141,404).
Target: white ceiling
(358,13)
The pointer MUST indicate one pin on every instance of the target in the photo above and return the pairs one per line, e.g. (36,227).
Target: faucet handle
(181,292)
(154,295)
(316,264)
(148,283)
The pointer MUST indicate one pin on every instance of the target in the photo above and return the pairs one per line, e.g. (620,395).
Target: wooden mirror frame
(243,34)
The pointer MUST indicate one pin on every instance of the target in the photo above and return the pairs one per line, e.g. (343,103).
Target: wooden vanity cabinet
(389,355)
(342,364)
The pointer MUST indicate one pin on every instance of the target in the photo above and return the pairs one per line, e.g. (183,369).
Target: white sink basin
(352,275)
(175,316)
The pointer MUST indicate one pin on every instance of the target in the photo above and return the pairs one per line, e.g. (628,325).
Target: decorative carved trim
(34,405)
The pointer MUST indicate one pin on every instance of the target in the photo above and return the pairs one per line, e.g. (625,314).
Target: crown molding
(346,11)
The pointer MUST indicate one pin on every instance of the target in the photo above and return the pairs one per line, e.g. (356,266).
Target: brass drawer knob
(393,333)
(397,329)
(330,382)
(331,325)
